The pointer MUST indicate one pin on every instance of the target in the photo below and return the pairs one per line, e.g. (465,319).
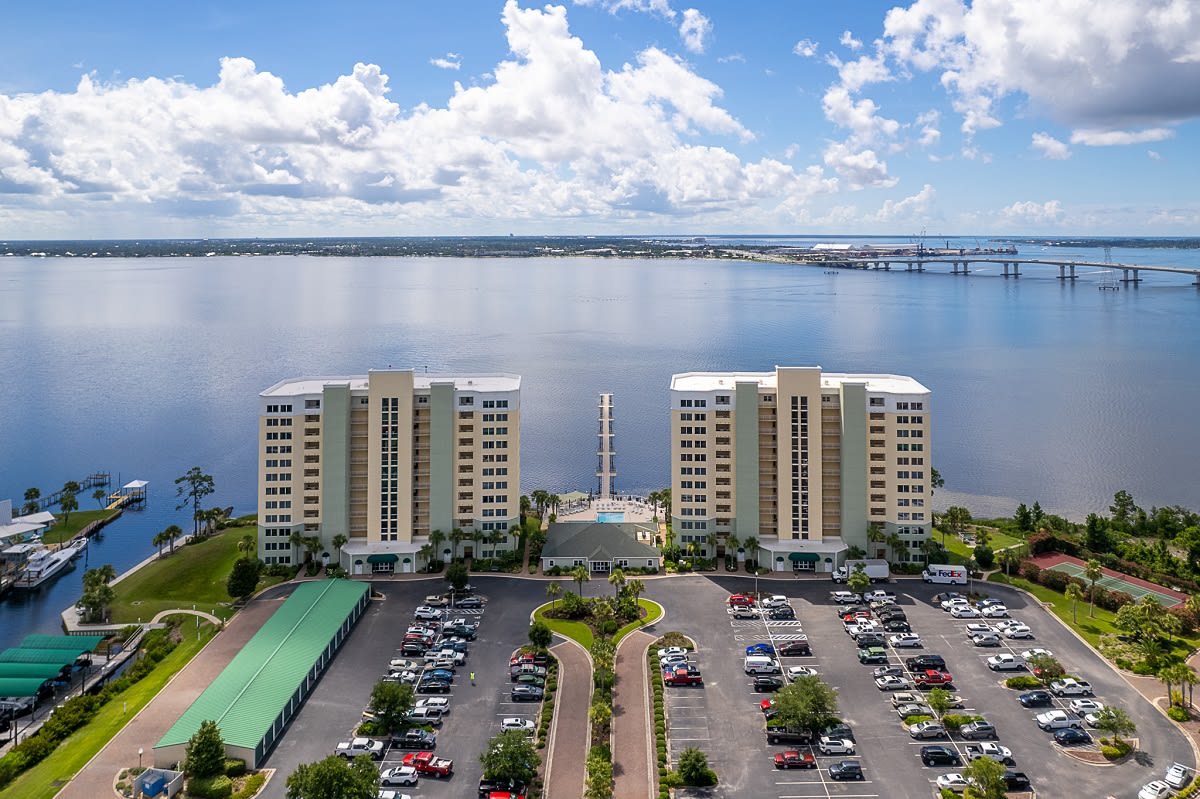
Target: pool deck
(635,510)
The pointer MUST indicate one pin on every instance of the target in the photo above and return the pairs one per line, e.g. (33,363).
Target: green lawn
(961,553)
(1090,627)
(575,630)
(654,612)
(194,575)
(45,779)
(64,530)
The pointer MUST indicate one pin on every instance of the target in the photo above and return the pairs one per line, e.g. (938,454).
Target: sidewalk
(566,754)
(635,766)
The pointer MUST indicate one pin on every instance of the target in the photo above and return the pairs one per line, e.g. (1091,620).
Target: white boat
(46,563)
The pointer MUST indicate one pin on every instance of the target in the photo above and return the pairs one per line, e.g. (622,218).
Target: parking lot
(736,744)
(335,706)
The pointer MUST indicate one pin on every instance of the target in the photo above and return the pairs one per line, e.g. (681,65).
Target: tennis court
(1111,583)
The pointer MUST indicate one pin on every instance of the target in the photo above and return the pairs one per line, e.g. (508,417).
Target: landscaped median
(583,633)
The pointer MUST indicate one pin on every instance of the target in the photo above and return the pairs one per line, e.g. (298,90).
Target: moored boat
(46,563)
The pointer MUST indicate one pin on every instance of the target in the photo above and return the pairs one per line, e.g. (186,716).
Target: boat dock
(131,492)
(93,480)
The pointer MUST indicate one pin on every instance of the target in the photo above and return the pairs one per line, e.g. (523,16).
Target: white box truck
(944,573)
(876,569)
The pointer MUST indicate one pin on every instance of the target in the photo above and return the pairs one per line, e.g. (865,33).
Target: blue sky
(600,116)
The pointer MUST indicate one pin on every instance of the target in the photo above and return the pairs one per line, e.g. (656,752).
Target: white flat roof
(41,517)
(717,381)
(136,484)
(486,383)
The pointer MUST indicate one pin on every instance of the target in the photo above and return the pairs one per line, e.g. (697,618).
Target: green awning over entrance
(384,558)
(805,557)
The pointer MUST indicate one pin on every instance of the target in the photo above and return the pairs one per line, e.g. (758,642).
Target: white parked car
(891,683)
(913,709)
(440,702)
(399,775)
(835,746)
(1178,775)
(845,597)
(1082,706)
(953,782)
(671,650)
(1004,624)
(978,628)
(994,612)
(955,602)
(672,660)
(905,639)
(426,612)
(1155,790)
(402,664)
(517,723)
(903,698)
(1017,631)
(964,612)
(1028,653)
(801,671)
(775,601)
(1005,662)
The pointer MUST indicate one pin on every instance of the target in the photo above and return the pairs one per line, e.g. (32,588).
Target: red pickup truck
(429,764)
(683,675)
(932,678)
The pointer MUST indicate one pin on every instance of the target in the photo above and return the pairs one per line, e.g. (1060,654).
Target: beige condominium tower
(384,462)
(808,464)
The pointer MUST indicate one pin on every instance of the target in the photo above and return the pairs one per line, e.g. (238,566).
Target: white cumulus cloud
(806,48)
(1050,147)
(860,168)
(552,135)
(448,61)
(1112,138)
(694,29)
(849,41)
(915,207)
(1033,213)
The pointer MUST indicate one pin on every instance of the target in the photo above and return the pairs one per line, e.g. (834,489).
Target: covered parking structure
(265,684)
(26,671)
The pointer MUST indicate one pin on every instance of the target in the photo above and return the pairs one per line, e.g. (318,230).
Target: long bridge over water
(961,265)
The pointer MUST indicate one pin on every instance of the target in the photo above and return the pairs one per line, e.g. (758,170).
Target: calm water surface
(146,367)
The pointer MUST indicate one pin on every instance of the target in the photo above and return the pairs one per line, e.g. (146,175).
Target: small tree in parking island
(1115,722)
(540,635)
(244,577)
(1048,668)
(205,755)
(939,700)
(391,702)
(986,777)
(456,575)
(335,778)
(511,755)
(693,768)
(858,581)
(808,703)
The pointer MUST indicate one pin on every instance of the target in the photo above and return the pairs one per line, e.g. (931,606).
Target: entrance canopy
(805,557)
(386,557)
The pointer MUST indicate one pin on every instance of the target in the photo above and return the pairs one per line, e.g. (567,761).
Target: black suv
(890,613)
(415,739)
(926,662)
(784,612)
(868,640)
(765,683)
(488,785)
(846,770)
(839,731)
(897,626)
(794,649)
(940,756)
(1036,699)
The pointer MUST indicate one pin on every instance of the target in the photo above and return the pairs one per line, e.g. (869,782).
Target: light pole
(140,751)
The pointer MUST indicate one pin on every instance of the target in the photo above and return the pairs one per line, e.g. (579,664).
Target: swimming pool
(610,516)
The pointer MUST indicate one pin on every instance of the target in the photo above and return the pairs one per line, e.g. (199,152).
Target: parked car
(760,649)
(399,775)
(1178,776)
(897,626)
(893,684)
(795,648)
(801,671)
(775,601)
(977,730)
(964,612)
(1057,720)
(526,693)
(794,759)
(926,729)
(1036,699)
(845,770)
(1028,653)
(1005,662)
(978,628)
(913,709)
(1017,631)
(835,746)
(764,683)
(427,612)
(518,723)
(905,640)
(923,662)
(785,613)
(839,731)
(1016,780)
(1082,706)
(940,756)
(994,612)
(415,738)
(952,781)
(441,703)
(887,671)
(845,597)
(671,650)
(1071,736)
(1156,789)
(874,654)
(469,602)
(1071,687)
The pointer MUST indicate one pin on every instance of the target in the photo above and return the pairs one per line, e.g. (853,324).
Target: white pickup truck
(1001,754)
(1071,687)
(359,746)
(1005,662)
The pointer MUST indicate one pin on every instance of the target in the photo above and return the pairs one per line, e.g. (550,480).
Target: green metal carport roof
(247,697)
(20,686)
(76,642)
(41,671)
(62,657)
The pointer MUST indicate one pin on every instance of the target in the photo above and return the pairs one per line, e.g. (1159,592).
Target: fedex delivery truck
(944,573)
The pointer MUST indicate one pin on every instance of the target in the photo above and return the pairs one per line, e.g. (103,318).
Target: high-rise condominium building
(808,464)
(380,463)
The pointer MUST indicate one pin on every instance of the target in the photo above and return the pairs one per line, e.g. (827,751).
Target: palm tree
(312,544)
(296,539)
(635,587)
(617,579)
(664,496)
(32,505)
(526,506)
(552,502)
(173,532)
(425,553)
(436,539)
(654,497)
(732,542)
(750,542)
(98,495)
(477,536)
(340,540)
(1093,572)
(456,537)
(875,536)
(540,498)
(553,590)
(159,539)
(928,548)
(1175,674)
(895,544)
(580,575)
(67,503)
(710,541)
(1073,593)
(247,544)
(670,537)
(1189,678)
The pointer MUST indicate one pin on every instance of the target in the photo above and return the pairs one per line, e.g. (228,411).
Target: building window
(722,399)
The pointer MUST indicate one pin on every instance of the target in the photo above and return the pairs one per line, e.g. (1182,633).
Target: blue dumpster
(154,785)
